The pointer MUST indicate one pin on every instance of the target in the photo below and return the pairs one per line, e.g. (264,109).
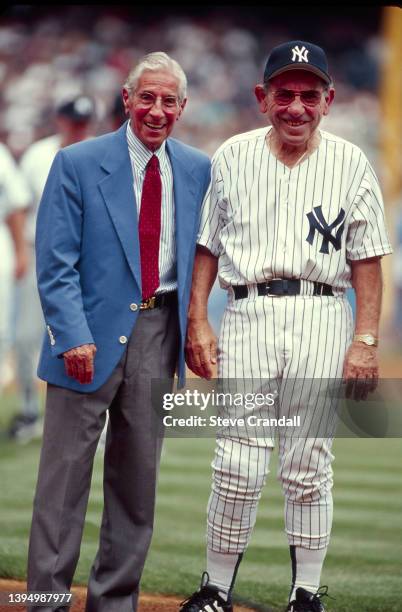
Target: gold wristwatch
(368,339)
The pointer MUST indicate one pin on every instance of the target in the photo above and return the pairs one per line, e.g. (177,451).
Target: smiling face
(296,121)
(154,106)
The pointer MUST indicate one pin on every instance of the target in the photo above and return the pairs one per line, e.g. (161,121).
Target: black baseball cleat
(206,599)
(308,602)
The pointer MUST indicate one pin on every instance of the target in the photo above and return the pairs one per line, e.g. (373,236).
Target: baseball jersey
(265,220)
(35,165)
(14,194)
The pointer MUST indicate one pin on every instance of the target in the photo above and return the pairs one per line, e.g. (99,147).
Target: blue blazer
(88,256)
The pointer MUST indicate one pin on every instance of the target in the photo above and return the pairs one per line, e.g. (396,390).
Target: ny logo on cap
(299,54)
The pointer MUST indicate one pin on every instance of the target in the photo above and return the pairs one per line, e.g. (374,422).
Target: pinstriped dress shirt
(140,156)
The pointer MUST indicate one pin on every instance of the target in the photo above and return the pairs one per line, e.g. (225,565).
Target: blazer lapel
(118,194)
(185,188)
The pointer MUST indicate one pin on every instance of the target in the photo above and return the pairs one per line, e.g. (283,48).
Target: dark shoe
(308,602)
(24,428)
(206,599)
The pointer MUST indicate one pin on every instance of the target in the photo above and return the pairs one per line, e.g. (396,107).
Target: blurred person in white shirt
(14,201)
(73,123)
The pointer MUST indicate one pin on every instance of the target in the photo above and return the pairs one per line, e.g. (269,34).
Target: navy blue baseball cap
(297,55)
(80,108)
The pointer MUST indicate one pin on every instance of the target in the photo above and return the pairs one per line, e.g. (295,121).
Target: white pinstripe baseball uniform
(14,195)
(265,220)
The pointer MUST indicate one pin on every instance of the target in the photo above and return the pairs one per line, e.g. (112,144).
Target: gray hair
(157,61)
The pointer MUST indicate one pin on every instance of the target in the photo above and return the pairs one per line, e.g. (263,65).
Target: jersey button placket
(283,204)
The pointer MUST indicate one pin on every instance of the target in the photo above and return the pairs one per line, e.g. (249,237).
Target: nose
(157,108)
(296,107)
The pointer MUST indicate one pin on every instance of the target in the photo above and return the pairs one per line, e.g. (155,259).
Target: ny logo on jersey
(299,54)
(317,222)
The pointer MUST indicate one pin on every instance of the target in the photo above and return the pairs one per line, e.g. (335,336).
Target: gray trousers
(73,424)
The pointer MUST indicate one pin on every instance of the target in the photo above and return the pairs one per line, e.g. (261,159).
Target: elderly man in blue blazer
(115,244)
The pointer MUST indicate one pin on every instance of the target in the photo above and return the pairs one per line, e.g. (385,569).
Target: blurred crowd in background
(46,56)
(49,57)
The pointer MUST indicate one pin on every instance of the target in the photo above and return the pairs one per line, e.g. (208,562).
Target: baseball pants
(295,345)
(28,338)
(7,262)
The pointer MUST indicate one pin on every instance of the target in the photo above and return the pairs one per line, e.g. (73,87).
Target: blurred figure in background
(117,113)
(397,275)
(73,123)
(14,200)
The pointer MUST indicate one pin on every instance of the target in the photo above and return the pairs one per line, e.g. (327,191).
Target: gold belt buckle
(148,303)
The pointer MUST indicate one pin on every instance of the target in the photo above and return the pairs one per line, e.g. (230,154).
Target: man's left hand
(360,371)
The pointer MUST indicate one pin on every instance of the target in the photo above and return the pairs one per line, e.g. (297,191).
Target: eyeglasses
(285,97)
(148,100)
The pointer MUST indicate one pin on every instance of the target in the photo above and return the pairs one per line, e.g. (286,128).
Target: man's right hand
(21,262)
(200,348)
(79,363)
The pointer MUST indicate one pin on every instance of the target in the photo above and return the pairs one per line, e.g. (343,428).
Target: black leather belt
(159,300)
(279,287)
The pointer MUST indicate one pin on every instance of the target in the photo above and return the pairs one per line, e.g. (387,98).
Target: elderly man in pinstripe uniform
(293,217)
(115,244)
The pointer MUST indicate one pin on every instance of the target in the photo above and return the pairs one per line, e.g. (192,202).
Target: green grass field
(363,567)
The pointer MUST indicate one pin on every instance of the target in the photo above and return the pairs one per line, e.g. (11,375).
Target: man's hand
(200,349)
(21,263)
(360,371)
(79,363)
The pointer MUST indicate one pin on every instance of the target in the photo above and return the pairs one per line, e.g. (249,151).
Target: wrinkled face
(154,107)
(293,117)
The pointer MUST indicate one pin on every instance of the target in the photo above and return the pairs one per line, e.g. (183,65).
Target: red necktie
(149,228)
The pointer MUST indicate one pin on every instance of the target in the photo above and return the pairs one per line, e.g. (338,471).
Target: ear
(126,98)
(329,98)
(261,96)
(181,109)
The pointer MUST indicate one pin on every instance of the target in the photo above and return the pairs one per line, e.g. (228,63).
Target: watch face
(368,339)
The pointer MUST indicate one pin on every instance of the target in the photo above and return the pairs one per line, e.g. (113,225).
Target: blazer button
(133,307)
(123,340)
